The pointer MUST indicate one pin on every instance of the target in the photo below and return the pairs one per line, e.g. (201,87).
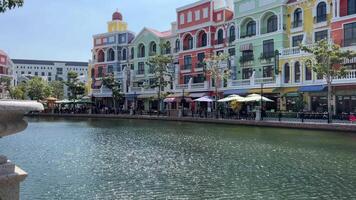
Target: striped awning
(246,47)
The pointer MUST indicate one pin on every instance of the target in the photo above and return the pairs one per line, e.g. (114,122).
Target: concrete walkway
(342,127)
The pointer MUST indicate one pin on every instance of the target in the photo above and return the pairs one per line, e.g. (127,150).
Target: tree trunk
(330,114)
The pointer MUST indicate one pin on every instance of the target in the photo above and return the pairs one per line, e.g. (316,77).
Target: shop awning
(312,88)
(131,97)
(237,91)
(147,96)
(285,90)
(258,91)
(176,99)
(197,95)
(292,94)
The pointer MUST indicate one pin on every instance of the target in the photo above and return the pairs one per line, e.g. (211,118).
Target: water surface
(130,159)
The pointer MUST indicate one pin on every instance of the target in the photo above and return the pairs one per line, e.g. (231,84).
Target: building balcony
(192,87)
(320,18)
(293,51)
(253,82)
(142,89)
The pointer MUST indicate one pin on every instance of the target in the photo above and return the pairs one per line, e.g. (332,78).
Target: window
(181,18)
(321,12)
(298,18)
(219,52)
(141,68)
(141,51)
(59,71)
(203,39)
(351,7)
(246,73)
(100,71)
(218,16)
(201,57)
(232,34)
(297,72)
(267,71)
(124,54)
(247,56)
(350,34)
(308,73)
(187,62)
(205,12)
(36,73)
(168,48)
(177,48)
(132,53)
(111,55)
(101,56)
(297,40)
(49,74)
(186,79)
(42,74)
(197,15)
(110,69)
(220,36)
(232,51)
(251,28)
(286,73)
(188,42)
(272,24)
(268,49)
(200,78)
(321,35)
(153,48)
(189,17)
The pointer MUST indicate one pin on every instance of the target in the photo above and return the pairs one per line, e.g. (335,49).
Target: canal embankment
(340,127)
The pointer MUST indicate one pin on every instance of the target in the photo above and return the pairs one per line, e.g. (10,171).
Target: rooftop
(48,62)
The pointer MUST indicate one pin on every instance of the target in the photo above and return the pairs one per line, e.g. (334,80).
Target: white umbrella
(233,97)
(204,99)
(255,98)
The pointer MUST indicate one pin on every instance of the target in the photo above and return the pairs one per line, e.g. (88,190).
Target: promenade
(267,122)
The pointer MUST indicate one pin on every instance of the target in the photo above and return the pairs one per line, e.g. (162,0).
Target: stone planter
(11,122)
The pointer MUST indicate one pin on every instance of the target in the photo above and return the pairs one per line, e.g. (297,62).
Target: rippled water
(125,159)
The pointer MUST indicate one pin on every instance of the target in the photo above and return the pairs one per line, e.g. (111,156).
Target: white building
(6,69)
(49,70)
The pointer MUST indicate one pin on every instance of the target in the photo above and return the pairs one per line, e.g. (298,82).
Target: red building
(343,27)
(204,28)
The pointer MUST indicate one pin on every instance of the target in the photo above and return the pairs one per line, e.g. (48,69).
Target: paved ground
(296,124)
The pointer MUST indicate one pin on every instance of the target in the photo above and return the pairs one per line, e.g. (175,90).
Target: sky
(63,29)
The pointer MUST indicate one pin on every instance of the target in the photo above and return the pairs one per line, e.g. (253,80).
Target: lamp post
(183,101)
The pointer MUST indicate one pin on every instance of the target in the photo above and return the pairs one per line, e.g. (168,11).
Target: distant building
(48,70)
(6,66)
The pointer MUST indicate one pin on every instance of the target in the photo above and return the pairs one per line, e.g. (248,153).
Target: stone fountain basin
(11,115)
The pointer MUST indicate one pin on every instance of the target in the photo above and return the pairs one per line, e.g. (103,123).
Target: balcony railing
(176,50)
(185,48)
(348,42)
(350,74)
(320,18)
(247,35)
(232,38)
(293,51)
(267,55)
(298,23)
(140,72)
(244,59)
(187,67)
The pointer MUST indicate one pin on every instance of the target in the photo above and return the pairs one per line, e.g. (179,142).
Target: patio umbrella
(232,97)
(204,99)
(255,98)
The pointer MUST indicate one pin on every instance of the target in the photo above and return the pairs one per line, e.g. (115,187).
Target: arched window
(286,73)
(153,48)
(202,39)
(321,12)
(272,24)
(232,34)
(351,7)
(220,36)
(251,28)
(101,56)
(132,53)
(297,72)
(298,18)
(111,55)
(177,48)
(141,51)
(168,48)
(188,42)
(308,73)
(124,54)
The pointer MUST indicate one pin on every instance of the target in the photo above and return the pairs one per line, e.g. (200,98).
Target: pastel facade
(205,28)
(6,69)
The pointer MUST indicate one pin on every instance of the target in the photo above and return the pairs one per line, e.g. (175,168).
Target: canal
(130,159)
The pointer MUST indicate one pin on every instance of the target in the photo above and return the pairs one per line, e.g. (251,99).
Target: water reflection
(127,159)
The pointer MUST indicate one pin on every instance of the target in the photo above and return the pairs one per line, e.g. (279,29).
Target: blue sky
(63,29)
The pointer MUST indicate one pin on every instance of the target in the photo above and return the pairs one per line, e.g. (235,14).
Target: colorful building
(6,70)
(110,56)
(205,28)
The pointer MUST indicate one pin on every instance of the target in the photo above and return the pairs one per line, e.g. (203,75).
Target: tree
(37,89)
(75,87)
(18,92)
(111,83)
(159,67)
(9,4)
(216,68)
(5,83)
(57,89)
(326,60)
